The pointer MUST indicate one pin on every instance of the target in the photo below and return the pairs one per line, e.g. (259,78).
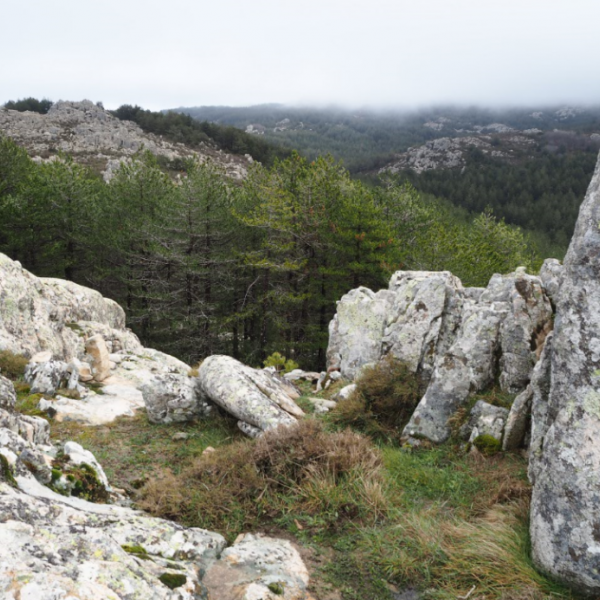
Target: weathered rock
(173,398)
(468,366)
(57,547)
(84,370)
(541,414)
(8,397)
(414,319)
(97,350)
(40,314)
(322,405)
(258,567)
(249,394)
(485,419)
(523,330)
(47,377)
(94,409)
(517,421)
(34,430)
(565,462)
(356,331)
(297,374)
(551,275)
(345,392)
(459,340)
(77,455)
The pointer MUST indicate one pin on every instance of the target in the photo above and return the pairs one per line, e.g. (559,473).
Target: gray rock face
(249,394)
(516,424)
(7,394)
(468,366)
(356,331)
(565,518)
(40,314)
(47,377)
(173,398)
(551,275)
(415,319)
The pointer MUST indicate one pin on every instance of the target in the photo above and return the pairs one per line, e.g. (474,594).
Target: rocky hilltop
(95,137)
(535,336)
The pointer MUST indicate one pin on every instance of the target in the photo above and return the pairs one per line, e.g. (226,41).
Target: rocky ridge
(451,152)
(95,137)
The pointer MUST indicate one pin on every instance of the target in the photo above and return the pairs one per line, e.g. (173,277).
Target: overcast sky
(399,53)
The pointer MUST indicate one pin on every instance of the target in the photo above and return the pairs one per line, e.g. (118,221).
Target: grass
(131,449)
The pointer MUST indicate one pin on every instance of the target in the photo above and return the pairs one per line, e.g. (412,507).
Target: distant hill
(530,165)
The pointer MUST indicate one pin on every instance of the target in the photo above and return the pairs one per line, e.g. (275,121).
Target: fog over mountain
(379,53)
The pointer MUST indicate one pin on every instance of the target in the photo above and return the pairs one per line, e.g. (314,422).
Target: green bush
(12,365)
(280,363)
(385,397)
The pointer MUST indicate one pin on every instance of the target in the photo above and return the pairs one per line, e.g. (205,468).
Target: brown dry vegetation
(305,469)
(385,397)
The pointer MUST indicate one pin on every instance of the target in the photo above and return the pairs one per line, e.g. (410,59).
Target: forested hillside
(207,265)
(531,167)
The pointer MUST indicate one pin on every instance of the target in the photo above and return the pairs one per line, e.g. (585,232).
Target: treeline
(31,104)
(540,195)
(178,127)
(203,266)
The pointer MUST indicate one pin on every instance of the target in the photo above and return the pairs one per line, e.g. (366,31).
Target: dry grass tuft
(301,468)
(386,395)
(12,365)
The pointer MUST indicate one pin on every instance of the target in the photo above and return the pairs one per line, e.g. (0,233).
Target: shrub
(280,363)
(12,365)
(385,397)
(301,468)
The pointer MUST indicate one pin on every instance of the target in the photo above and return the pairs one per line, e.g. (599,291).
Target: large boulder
(356,331)
(565,462)
(256,398)
(467,366)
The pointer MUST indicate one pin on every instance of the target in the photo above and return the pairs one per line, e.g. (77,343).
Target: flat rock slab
(96,409)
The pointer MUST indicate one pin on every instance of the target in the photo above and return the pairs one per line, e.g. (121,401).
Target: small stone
(180,436)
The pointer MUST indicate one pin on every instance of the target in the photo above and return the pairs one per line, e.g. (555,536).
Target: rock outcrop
(459,340)
(93,136)
(565,456)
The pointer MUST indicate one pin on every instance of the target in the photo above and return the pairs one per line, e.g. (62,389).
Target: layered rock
(565,457)
(459,340)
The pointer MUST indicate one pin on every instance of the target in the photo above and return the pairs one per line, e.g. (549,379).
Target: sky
(355,53)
